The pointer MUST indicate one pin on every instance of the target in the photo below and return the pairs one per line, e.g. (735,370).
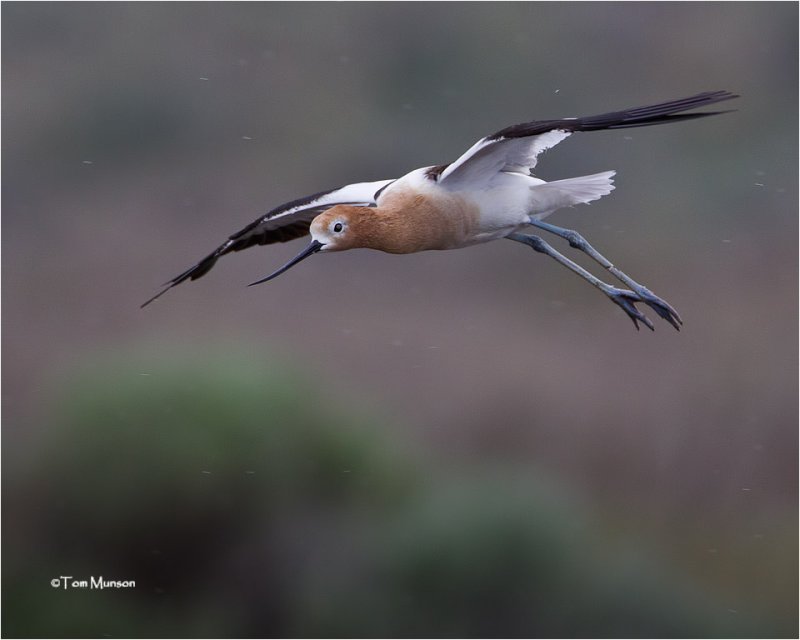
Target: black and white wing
(515,148)
(283,223)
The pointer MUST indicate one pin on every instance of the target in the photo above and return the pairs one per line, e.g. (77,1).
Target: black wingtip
(186,275)
(660,113)
(193,273)
(158,295)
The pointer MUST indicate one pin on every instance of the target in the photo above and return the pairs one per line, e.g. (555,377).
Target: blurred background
(467,443)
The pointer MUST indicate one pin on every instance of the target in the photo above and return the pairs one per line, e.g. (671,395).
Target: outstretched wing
(283,223)
(515,148)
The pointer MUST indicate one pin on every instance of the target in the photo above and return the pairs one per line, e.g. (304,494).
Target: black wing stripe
(434,173)
(251,235)
(380,191)
(636,117)
(282,209)
(238,242)
(286,222)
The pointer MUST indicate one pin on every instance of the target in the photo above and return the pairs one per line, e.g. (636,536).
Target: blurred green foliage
(246,501)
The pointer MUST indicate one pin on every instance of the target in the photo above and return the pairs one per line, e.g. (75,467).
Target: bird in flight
(488,193)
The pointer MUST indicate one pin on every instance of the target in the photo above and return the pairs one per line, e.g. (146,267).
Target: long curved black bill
(308,251)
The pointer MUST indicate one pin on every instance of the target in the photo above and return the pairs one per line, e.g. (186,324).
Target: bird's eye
(337,227)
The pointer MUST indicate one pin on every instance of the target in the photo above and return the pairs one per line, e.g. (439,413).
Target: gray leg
(577,241)
(622,297)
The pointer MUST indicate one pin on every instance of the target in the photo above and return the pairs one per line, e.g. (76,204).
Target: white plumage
(487,193)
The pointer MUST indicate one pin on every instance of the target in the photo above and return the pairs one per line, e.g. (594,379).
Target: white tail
(550,196)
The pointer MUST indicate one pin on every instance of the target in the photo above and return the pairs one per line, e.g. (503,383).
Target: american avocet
(486,194)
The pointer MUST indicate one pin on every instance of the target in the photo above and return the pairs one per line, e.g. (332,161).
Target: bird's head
(339,228)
